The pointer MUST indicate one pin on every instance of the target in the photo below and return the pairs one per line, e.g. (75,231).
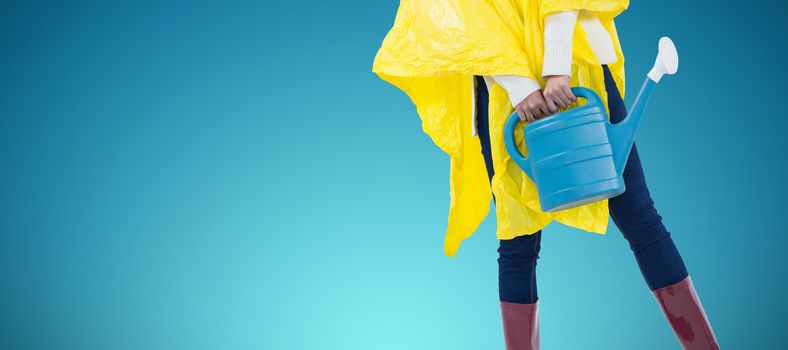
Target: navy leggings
(633,212)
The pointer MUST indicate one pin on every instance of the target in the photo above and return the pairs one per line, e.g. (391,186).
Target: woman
(466,65)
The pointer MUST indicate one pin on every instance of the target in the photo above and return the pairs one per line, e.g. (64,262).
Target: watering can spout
(623,133)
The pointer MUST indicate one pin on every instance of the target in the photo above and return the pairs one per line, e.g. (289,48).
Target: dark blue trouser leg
(517,268)
(634,213)
(517,256)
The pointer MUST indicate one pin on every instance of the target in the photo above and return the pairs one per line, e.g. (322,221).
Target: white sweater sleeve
(598,38)
(518,87)
(559,30)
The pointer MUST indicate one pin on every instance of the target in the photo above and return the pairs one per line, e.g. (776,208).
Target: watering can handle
(589,95)
(511,145)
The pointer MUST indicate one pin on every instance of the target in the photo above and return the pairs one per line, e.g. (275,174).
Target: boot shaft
(520,325)
(682,307)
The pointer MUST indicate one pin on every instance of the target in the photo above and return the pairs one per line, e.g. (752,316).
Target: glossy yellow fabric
(432,53)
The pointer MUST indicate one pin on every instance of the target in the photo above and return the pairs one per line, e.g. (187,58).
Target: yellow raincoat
(432,53)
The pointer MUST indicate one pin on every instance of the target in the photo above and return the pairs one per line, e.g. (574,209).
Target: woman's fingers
(533,111)
(532,107)
(560,102)
(537,110)
(551,105)
(564,98)
(539,106)
(544,111)
(569,94)
(558,91)
(529,116)
(558,94)
(521,114)
(524,113)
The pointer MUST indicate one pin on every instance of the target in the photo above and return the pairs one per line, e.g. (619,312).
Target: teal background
(231,175)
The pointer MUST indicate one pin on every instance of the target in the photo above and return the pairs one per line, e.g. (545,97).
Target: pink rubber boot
(520,325)
(682,308)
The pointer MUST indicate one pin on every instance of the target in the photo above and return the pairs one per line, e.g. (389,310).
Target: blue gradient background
(231,175)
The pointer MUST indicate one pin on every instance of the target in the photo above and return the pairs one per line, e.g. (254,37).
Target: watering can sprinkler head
(667,60)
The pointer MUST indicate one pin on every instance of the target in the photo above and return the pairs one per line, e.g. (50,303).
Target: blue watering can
(577,157)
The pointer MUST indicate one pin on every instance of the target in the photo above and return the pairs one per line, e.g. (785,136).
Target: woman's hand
(532,107)
(557,93)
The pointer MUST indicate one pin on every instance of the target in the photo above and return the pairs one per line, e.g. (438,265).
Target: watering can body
(577,157)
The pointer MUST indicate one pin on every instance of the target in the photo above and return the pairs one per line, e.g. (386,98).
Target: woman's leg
(635,215)
(516,259)
(517,268)
(517,256)
(656,254)
(517,291)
